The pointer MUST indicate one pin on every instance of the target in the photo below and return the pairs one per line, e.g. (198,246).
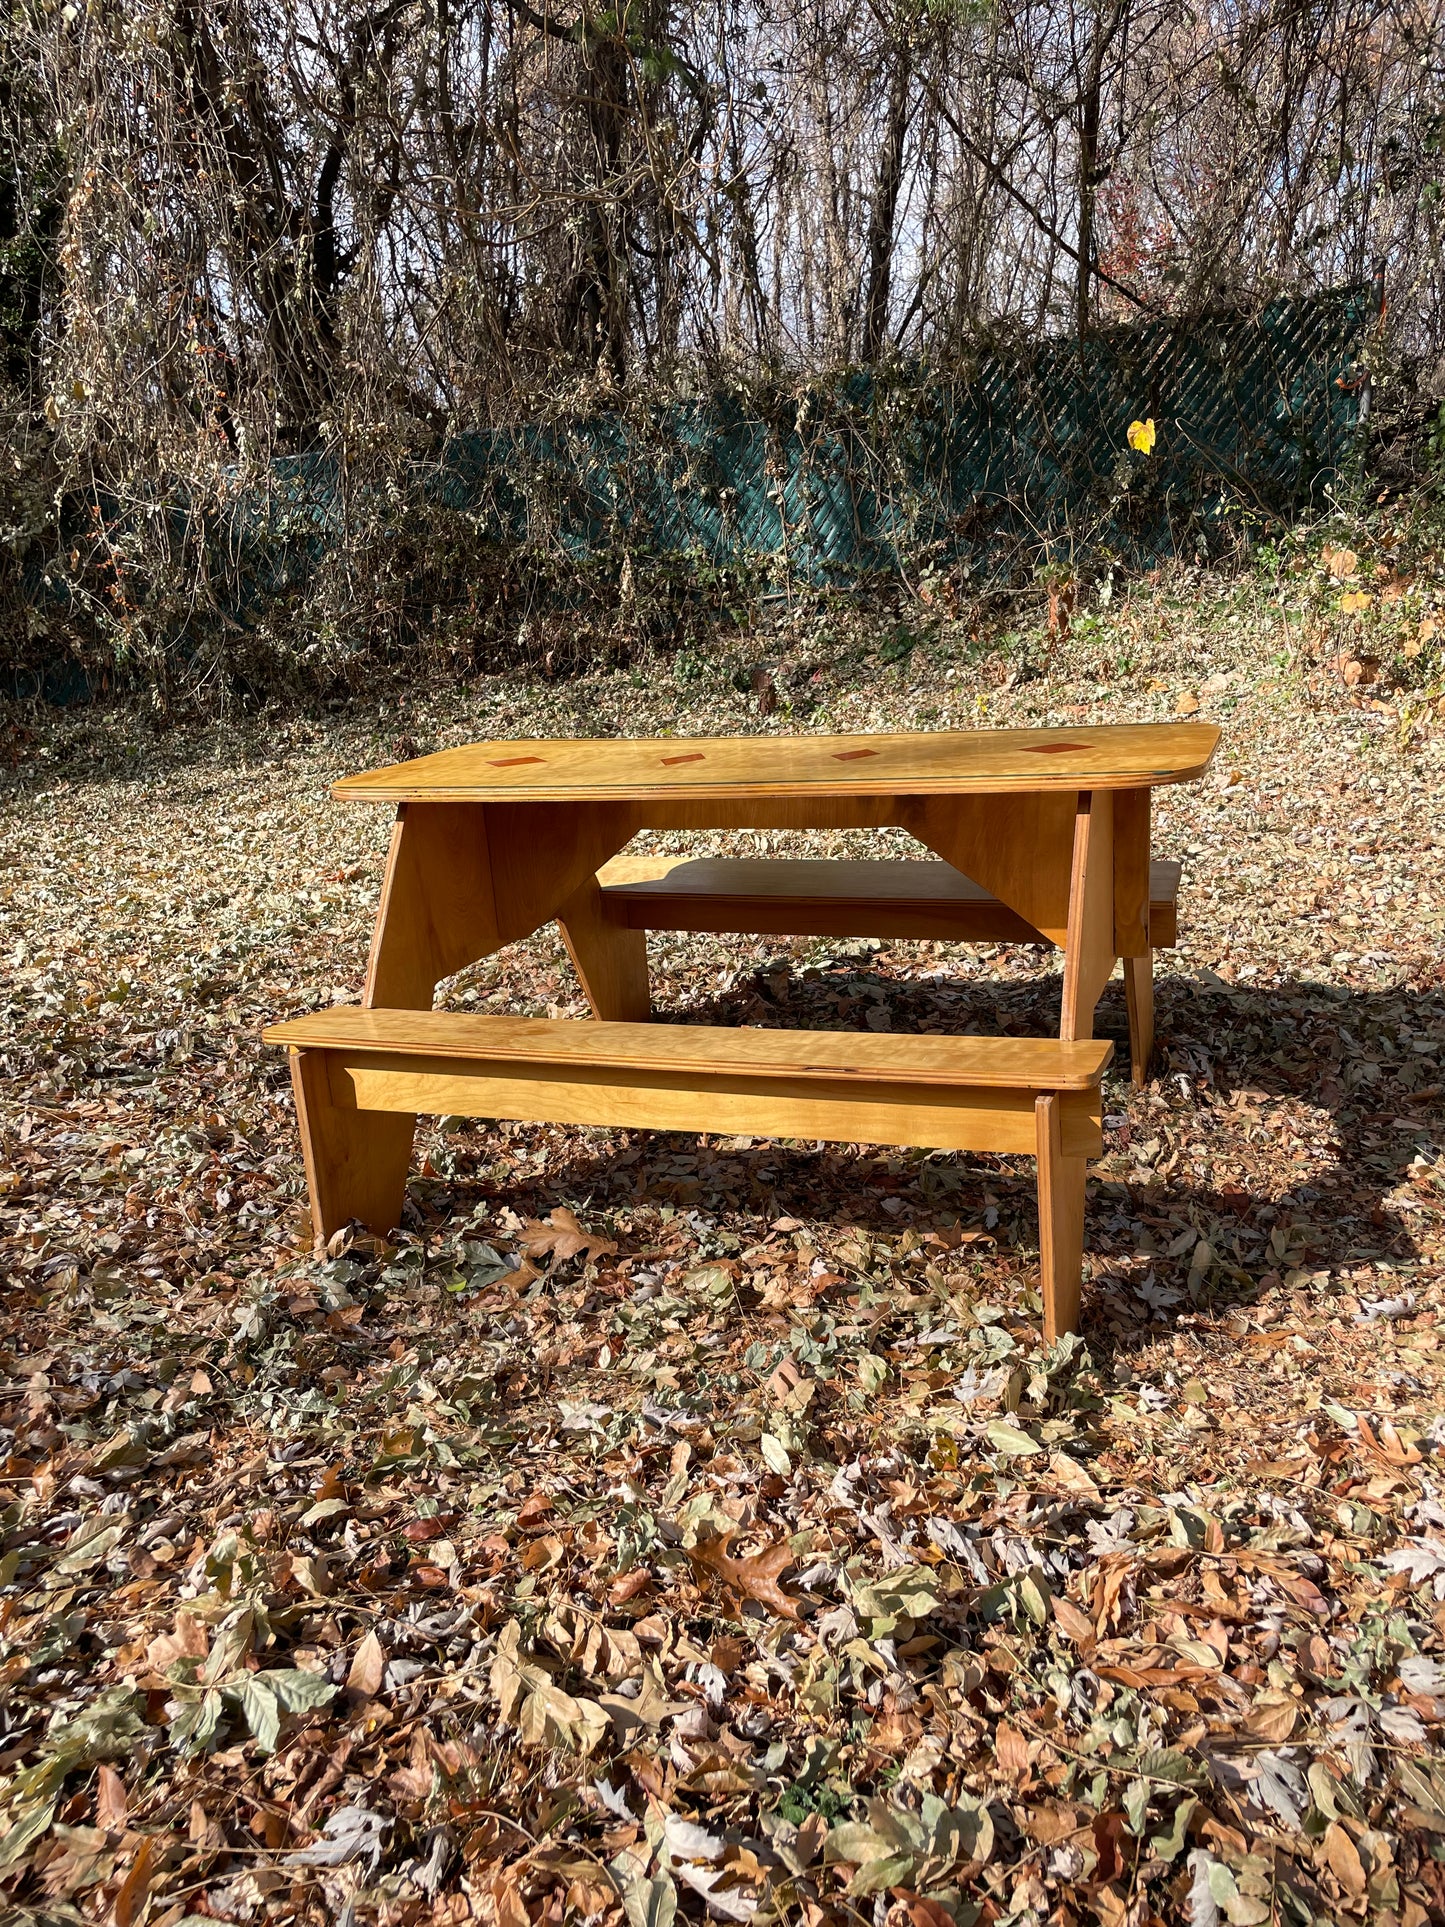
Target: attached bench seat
(921,898)
(828,897)
(361,1076)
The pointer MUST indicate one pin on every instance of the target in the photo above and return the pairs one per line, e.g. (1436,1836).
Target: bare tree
(350,229)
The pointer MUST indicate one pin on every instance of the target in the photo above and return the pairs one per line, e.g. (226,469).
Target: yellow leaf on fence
(1141,436)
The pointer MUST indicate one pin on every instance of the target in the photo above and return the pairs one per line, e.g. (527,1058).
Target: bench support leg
(1139,998)
(356,1161)
(608,956)
(1061,1222)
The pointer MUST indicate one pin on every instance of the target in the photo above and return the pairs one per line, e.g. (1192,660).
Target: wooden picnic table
(495,839)
(1041,832)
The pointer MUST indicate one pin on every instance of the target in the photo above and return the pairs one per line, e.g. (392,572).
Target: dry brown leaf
(756,1576)
(202,1831)
(507,1898)
(415,1780)
(1108,1838)
(564,1237)
(627,1585)
(331,1485)
(921,1911)
(1304,1592)
(1216,1635)
(1388,1443)
(1343,1860)
(190,1640)
(534,1510)
(110,1800)
(1108,1599)
(590,1897)
(812,1836)
(133,1889)
(1139,1676)
(1011,1751)
(1074,1625)
(1356,672)
(1273,1721)
(542,1553)
(786,1376)
(367,1670)
(1071,1477)
(1053,1821)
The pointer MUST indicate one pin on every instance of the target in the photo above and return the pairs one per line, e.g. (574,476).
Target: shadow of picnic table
(1295,1127)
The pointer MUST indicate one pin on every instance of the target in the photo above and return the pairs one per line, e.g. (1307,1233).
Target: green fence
(1022,458)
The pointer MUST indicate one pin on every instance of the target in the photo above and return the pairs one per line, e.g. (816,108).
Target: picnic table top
(932,763)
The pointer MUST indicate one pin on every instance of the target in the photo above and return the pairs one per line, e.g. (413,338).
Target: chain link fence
(1018,464)
(1020,461)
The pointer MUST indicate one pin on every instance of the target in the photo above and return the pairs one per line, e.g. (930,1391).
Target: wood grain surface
(943,763)
(983,1063)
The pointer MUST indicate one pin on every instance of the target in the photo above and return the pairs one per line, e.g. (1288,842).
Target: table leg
(1139,996)
(608,955)
(1131,924)
(461,880)
(544,854)
(545,859)
(356,1161)
(1089,951)
(437,912)
(436,915)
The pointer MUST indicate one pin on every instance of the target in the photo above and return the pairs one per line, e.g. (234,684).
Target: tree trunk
(1088,173)
(885,208)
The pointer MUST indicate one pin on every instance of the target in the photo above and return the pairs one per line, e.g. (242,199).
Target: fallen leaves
(893,1847)
(111,1804)
(754,1576)
(1010,1440)
(367,1670)
(131,1895)
(1387,1442)
(1074,1624)
(671,1526)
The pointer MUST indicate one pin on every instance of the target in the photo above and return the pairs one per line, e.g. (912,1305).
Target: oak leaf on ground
(756,1575)
(565,1238)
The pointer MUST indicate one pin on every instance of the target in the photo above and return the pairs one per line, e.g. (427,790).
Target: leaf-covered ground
(672,1526)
